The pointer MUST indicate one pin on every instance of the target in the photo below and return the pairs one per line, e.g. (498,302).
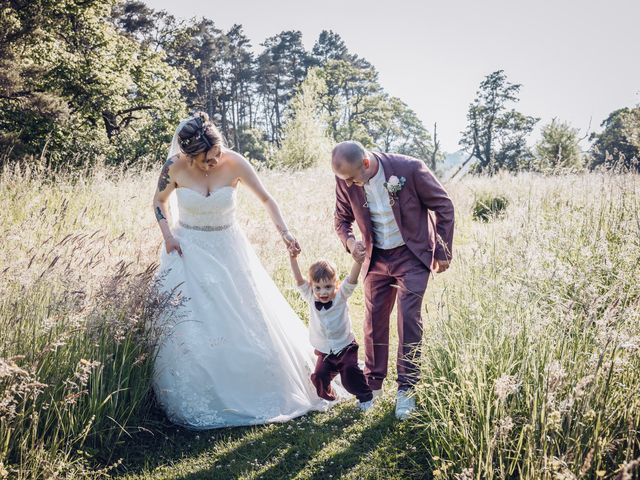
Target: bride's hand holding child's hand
(292,244)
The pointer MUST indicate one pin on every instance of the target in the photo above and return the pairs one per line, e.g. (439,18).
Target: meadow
(530,365)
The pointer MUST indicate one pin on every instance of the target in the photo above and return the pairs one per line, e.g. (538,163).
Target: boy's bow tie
(320,305)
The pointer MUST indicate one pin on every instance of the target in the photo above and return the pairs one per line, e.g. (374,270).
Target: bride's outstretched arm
(161,206)
(250,178)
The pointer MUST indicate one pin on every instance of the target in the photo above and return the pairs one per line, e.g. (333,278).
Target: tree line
(89,79)
(496,136)
(85,78)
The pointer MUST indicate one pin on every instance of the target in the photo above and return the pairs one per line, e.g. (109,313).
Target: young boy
(330,330)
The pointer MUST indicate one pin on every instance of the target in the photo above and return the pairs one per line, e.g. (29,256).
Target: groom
(389,196)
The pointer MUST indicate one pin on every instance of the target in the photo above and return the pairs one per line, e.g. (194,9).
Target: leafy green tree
(305,142)
(155,29)
(558,148)
(254,145)
(618,145)
(394,127)
(495,134)
(80,88)
(357,108)
(135,19)
(83,79)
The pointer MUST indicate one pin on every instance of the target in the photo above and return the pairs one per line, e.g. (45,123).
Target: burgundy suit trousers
(328,365)
(395,273)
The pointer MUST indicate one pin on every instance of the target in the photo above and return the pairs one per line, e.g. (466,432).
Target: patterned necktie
(320,305)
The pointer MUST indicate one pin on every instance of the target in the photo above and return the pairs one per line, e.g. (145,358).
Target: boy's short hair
(322,270)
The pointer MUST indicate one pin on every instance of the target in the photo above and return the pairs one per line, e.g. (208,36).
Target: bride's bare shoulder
(175,163)
(233,159)
(231,156)
(170,171)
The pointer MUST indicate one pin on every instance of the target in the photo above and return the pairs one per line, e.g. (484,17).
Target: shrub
(488,206)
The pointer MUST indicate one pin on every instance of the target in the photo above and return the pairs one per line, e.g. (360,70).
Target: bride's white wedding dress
(236,353)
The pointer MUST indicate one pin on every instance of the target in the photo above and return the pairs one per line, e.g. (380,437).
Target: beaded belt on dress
(205,228)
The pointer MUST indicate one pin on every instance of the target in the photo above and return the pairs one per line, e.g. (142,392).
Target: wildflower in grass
(60,342)
(631,344)
(561,470)
(466,474)
(141,358)
(554,421)
(506,385)
(8,406)
(23,386)
(586,464)
(513,328)
(566,404)
(9,368)
(505,425)
(48,324)
(83,371)
(628,469)
(581,387)
(555,375)
(539,327)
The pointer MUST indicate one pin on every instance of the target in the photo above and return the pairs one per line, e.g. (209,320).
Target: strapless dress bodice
(217,210)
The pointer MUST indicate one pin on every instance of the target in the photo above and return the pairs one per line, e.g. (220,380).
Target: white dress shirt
(329,329)
(386,233)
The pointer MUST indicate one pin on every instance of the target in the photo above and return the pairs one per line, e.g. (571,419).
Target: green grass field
(531,361)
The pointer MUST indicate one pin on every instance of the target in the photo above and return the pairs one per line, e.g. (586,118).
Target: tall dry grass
(532,356)
(77,304)
(530,364)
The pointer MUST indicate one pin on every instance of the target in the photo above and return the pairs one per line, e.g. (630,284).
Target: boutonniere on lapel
(393,186)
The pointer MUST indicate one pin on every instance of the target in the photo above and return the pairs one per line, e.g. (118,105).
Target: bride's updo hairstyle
(199,135)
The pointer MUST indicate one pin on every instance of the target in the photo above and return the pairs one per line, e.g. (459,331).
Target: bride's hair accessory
(198,135)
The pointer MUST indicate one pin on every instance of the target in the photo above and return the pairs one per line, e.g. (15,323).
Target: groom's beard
(364,181)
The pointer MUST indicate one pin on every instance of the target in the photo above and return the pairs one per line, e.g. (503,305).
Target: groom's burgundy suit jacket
(421,193)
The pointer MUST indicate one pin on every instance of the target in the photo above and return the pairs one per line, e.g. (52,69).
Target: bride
(238,354)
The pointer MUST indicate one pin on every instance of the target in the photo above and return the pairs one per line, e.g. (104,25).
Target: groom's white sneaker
(365,406)
(405,404)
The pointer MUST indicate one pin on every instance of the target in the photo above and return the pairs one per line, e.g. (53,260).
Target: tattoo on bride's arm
(159,215)
(164,179)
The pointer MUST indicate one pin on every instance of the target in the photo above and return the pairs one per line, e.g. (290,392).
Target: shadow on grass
(341,442)
(228,452)
(282,450)
(163,443)
(385,449)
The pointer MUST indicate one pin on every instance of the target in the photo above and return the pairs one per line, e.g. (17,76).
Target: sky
(577,61)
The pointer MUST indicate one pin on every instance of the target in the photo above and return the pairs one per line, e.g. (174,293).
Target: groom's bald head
(350,152)
(350,162)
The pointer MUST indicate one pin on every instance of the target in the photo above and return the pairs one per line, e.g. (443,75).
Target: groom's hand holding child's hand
(357,248)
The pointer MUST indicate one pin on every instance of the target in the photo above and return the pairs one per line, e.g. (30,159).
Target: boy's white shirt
(330,330)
